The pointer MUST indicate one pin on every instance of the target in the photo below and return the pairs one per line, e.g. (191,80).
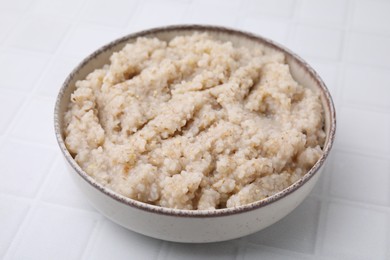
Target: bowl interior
(300,70)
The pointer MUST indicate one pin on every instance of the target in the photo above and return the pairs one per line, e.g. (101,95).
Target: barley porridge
(194,123)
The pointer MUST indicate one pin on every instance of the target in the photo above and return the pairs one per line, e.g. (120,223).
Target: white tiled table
(42,214)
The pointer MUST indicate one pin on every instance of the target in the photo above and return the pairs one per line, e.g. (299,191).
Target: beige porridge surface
(194,123)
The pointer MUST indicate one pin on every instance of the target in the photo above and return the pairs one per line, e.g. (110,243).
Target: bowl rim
(198,213)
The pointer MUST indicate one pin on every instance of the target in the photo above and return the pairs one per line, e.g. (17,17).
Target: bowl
(195,226)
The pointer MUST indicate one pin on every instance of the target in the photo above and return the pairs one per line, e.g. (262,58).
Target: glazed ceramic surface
(200,225)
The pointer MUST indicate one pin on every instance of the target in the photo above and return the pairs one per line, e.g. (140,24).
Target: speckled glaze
(197,226)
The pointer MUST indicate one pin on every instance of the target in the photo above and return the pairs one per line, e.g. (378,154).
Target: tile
(61,189)
(111,13)
(115,242)
(355,233)
(14,63)
(204,12)
(350,173)
(157,13)
(274,29)
(23,167)
(371,16)
(35,123)
(221,250)
(323,12)
(87,38)
(316,42)
(363,130)
(368,49)
(55,76)
(11,103)
(40,33)
(53,232)
(12,213)
(366,86)
(58,8)
(276,8)
(8,21)
(15,5)
(296,232)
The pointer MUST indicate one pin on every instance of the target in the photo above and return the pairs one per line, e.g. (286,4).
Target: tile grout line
(293,22)
(42,201)
(69,207)
(241,244)
(66,207)
(240,13)
(360,204)
(320,198)
(313,25)
(368,65)
(16,197)
(165,247)
(294,25)
(91,238)
(348,21)
(52,147)
(327,182)
(128,26)
(367,107)
(241,249)
(238,249)
(371,154)
(128,23)
(321,224)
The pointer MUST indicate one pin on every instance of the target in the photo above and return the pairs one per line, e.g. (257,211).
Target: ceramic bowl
(195,226)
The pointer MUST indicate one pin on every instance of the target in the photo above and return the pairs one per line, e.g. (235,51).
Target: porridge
(194,123)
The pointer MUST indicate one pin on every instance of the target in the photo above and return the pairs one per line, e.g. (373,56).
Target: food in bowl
(194,123)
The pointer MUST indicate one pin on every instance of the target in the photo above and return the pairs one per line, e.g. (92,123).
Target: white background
(42,214)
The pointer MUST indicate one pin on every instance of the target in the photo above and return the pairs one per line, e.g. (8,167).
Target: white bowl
(195,226)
